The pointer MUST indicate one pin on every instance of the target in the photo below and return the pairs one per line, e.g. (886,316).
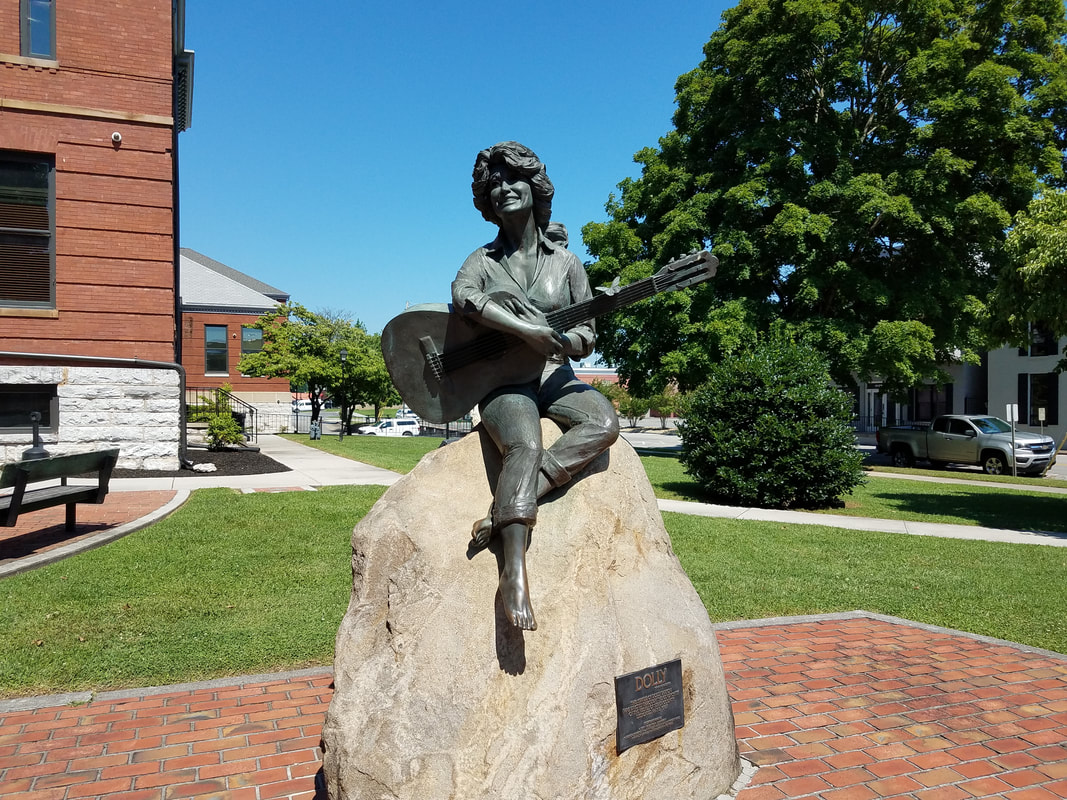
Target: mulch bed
(227,462)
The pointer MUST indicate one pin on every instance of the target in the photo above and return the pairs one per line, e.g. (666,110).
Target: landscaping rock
(438,696)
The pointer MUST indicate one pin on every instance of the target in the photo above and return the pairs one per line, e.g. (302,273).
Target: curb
(97,540)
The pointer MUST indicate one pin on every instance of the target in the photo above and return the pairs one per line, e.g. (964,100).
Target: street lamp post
(344,361)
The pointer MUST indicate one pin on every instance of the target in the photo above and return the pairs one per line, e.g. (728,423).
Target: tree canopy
(305,347)
(1032,289)
(854,165)
(366,380)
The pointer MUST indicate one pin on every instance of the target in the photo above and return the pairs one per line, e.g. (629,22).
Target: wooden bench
(19,475)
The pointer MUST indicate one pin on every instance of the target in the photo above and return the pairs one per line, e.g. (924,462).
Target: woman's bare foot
(514,588)
(482,531)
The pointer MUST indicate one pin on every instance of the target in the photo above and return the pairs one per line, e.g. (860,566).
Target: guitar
(443,364)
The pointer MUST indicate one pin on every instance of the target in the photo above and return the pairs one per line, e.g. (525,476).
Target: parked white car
(301,405)
(392,427)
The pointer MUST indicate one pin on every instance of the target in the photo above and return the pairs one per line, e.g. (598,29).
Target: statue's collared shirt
(559,281)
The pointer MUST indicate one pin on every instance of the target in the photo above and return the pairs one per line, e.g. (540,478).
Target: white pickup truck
(392,427)
(968,439)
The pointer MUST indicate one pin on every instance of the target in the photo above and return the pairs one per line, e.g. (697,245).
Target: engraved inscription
(649,703)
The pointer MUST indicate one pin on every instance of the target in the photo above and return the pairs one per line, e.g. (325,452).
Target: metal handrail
(242,410)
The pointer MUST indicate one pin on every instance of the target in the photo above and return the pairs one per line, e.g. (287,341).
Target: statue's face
(509,192)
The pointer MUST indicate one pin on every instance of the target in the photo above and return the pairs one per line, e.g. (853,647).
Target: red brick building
(218,306)
(92,98)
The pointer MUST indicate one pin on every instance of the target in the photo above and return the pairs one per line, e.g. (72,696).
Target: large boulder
(438,697)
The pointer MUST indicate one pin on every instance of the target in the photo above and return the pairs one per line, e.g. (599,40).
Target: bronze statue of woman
(509,284)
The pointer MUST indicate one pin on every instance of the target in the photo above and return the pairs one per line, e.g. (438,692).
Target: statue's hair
(525,162)
(557,232)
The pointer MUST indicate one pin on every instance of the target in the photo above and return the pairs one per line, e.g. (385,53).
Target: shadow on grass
(687,490)
(1022,512)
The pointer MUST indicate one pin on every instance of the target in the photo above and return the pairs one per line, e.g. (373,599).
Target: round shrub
(769,430)
(223,429)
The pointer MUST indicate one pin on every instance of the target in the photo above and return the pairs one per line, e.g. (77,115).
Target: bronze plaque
(649,703)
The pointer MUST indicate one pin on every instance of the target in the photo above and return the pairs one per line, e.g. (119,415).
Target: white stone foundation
(136,410)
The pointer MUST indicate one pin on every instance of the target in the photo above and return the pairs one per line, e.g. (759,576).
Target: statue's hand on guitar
(532,326)
(519,307)
(546,341)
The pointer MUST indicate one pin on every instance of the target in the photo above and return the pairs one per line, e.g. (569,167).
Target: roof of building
(210,286)
(246,280)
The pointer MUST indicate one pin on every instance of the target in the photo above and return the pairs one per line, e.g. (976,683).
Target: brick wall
(114,234)
(114,56)
(114,224)
(193,355)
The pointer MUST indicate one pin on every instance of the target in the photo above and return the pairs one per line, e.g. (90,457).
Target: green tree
(366,379)
(626,404)
(664,404)
(768,430)
(854,164)
(613,391)
(304,346)
(633,408)
(1033,285)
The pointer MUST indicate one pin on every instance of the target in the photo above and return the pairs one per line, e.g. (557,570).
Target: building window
(216,348)
(38,28)
(1042,343)
(18,401)
(1037,391)
(27,222)
(928,401)
(251,340)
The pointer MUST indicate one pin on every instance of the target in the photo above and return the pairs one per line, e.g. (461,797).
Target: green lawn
(892,498)
(964,474)
(398,453)
(896,498)
(749,570)
(229,584)
(245,583)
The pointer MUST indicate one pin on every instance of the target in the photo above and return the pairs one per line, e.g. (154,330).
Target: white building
(1026,376)
(964,394)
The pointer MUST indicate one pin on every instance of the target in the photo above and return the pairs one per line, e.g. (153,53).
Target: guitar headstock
(685,271)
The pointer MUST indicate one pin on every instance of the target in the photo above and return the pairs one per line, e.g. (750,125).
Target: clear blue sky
(332,143)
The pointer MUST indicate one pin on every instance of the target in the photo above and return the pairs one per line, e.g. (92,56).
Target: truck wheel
(993,464)
(902,457)
(406,433)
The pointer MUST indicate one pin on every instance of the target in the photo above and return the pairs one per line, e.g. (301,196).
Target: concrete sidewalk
(310,467)
(867,523)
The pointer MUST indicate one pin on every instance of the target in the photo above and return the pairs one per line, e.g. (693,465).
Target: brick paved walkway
(860,709)
(43,530)
(836,709)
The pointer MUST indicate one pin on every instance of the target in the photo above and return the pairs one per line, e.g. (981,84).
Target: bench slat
(42,469)
(21,473)
(36,499)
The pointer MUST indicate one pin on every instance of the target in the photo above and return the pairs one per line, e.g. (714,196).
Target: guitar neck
(594,307)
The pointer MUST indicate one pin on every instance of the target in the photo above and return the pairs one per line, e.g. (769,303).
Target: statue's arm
(581,339)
